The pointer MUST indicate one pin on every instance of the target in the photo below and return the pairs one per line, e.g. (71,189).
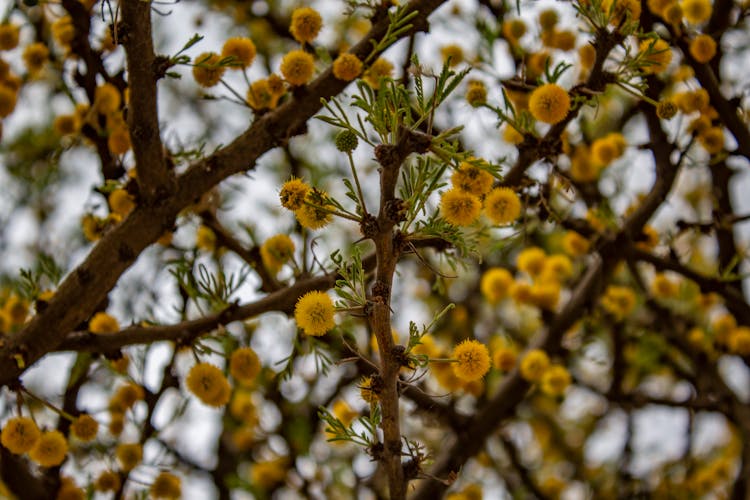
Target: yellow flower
(16,309)
(347,67)
(276,251)
(587,56)
(69,490)
(367,391)
(129,455)
(8,99)
(557,268)
(712,140)
(314,313)
(452,53)
(564,40)
(531,261)
(206,69)
(511,135)
(107,481)
(102,322)
(208,383)
(663,287)
(502,205)
(381,68)
(166,485)
(460,207)
(342,411)
(739,341)
(472,179)
(259,95)
(8,36)
(520,291)
(243,408)
(666,109)
(19,435)
(495,284)
(549,103)
(118,141)
(696,11)
(476,93)
(50,449)
(205,239)
(555,380)
(472,360)
(697,100)
(618,301)
(126,396)
(722,327)
(107,99)
(534,364)
(244,365)
(297,67)
(657,6)
(703,48)
(312,213)
(121,202)
(574,244)
(621,10)
(35,56)
(293,193)
(267,473)
(63,30)
(241,49)
(657,55)
(545,295)
(65,124)
(514,29)
(84,428)
(504,358)
(548,19)
(306,24)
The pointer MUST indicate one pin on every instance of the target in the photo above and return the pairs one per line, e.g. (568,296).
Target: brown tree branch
(155,179)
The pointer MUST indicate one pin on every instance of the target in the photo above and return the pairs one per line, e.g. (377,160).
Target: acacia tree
(501,247)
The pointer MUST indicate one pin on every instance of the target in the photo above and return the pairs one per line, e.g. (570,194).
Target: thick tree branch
(155,179)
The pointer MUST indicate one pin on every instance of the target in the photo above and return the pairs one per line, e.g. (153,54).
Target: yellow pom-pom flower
(9,35)
(472,179)
(19,435)
(502,205)
(241,49)
(712,140)
(531,261)
(314,313)
(657,55)
(495,284)
(557,268)
(121,202)
(50,449)
(622,10)
(545,295)
(460,207)
(367,390)
(84,428)
(696,11)
(347,67)
(35,56)
(166,485)
(739,341)
(555,380)
(472,360)
(107,481)
(243,408)
(107,99)
(306,24)
(476,93)
(276,251)
(103,323)
(244,365)
(453,53)
(208,383)
(293,193)
(504,358)
(313,214)
(574,244)
(206,69)
(118,141)
(534,364)
(129,455)
(8,99)
(619,301)
(297,67)
(703,48)
(381,68)
(549,103)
